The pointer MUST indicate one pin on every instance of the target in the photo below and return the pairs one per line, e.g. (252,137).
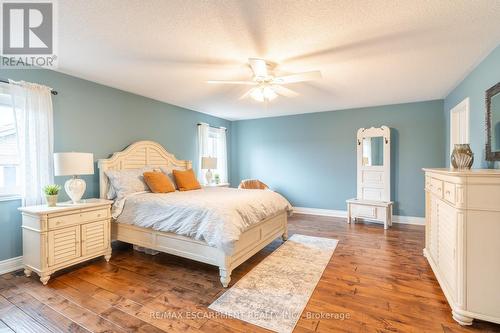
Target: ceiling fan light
(262,94)
(257,94)
(269,93)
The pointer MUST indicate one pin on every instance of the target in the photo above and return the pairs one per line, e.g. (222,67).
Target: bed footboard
(251,241)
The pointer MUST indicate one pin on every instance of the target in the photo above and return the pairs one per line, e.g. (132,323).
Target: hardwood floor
(379,281)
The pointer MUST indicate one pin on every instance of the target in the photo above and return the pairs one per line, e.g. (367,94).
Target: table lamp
(208,163)
(74,164)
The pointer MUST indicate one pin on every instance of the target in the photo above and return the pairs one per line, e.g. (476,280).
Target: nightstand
(217,185)
(57,237)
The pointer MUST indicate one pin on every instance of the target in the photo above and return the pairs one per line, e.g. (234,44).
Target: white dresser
(462,240)
(57,237)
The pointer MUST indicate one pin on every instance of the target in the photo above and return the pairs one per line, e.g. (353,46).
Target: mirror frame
(490,155)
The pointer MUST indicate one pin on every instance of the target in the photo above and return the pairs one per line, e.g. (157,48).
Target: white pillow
(168,171)
(111,195)
(127,181)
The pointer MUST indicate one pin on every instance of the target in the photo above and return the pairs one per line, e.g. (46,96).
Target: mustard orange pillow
(158,182)
(186,180)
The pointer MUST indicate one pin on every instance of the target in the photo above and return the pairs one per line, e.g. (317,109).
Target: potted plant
(217,178)
(51,192)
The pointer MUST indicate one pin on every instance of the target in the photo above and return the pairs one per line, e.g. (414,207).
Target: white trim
(10,265)
(10,197)
(320,212)
(414,220)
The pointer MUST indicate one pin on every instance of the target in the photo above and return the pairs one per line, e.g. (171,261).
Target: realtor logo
(28,34)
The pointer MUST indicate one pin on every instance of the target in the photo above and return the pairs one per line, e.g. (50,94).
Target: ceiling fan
(267,86)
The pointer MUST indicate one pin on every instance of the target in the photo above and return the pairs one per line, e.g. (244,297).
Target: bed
(151,154)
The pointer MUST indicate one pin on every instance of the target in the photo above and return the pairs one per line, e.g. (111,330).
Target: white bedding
(215,215)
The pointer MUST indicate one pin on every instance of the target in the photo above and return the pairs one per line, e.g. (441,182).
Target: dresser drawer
(436,187)
(76,218)
(449,192)
(428,183)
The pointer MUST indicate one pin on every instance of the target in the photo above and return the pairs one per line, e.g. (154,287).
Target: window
(212,143)
(10,175)
(459,124)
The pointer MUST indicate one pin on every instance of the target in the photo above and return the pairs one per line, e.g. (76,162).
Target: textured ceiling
(369,52)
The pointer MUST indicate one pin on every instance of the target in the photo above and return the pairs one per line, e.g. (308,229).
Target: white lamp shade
(72,164)
(209,163)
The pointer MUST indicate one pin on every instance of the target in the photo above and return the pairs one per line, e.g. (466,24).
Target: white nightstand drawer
(81,217)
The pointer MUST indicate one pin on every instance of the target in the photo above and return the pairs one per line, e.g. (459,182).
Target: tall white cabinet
(462,240)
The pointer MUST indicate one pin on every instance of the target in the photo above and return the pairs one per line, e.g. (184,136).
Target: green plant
(52,189)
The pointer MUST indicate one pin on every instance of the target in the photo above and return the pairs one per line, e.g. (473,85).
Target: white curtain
(212,143)
(32,104)
(221,153)
(203,148)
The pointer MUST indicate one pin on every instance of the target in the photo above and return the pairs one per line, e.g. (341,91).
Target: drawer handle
(439,189)
(448,192)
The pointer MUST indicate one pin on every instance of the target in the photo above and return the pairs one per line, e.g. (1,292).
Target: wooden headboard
(135,156)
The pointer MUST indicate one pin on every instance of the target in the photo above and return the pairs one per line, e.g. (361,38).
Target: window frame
(8,196)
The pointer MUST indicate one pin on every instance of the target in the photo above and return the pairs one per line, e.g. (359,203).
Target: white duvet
(215,215)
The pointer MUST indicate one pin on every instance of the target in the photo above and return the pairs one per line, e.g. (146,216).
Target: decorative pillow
(186,180)
(127,181)
(158,182)
(168,172)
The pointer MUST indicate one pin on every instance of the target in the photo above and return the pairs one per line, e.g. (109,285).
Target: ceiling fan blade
(252,83)
(299,77)
(259,67)
(284,91)
(246,94)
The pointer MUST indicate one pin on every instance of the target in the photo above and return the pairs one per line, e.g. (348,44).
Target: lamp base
(208,177)
(75,187)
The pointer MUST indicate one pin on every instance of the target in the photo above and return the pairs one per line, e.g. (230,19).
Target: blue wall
(90,117)
(10,230)
(311,158)
(474,86)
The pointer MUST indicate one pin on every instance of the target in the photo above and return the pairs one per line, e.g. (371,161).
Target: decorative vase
(462,157)
(51,200)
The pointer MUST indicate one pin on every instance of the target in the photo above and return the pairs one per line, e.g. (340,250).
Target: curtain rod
(199,124)
(52,91)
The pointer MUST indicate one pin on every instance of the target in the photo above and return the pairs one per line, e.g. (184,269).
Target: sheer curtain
(32,105)
(203,147)
(212,143)
(221,153)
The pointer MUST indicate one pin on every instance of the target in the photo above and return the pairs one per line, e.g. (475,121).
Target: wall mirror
(493,123)
(373,151)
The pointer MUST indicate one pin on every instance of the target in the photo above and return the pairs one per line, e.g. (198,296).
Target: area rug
(274,293)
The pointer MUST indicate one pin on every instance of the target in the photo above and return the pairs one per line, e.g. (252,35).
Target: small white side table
(370,210)
(58,237)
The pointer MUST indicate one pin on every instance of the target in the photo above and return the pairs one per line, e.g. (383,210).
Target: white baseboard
(342,213)
(10,265)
